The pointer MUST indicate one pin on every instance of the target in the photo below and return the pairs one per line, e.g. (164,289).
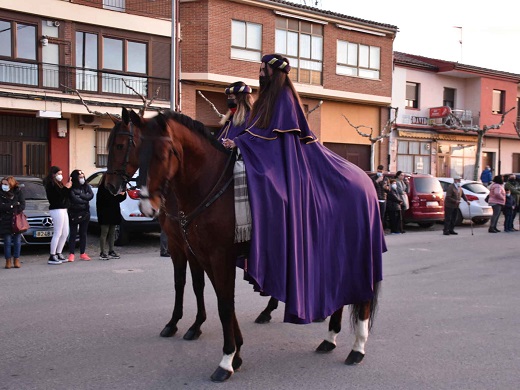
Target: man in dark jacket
(451,205)
(382,189)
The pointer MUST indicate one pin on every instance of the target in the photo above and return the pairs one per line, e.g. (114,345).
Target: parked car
(37,211)
(132,218)
(479,211)
(426,199)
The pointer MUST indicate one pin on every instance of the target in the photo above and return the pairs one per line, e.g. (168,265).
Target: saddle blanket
(242,208)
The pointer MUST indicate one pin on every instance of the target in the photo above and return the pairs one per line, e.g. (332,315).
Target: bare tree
(455,123)
(385,133)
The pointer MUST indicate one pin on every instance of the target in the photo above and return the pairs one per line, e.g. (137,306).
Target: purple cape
(317,239)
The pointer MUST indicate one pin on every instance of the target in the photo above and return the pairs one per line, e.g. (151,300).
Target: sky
(490,32)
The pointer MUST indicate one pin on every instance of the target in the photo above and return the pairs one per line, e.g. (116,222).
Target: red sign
(440,112)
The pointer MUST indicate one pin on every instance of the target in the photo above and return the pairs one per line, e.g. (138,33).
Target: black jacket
(57,196)
(79,198)
(107,206)
(10,202)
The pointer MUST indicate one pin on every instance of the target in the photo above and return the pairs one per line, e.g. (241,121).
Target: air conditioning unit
(89,120)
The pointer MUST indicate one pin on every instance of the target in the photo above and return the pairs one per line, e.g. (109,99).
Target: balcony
(57,77)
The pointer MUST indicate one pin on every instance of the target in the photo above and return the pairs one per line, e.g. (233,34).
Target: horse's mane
(112,135)
(196,127)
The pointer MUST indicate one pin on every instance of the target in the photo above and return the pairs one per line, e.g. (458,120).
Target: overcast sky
(490,30)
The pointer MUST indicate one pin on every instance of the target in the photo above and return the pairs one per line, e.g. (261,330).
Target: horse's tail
(360,311)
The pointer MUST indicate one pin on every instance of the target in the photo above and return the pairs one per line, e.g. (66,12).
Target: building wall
(487,118)
(337,129)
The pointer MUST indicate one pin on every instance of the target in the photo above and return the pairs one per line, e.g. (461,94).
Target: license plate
(487,211)
(43,233)
(432,204)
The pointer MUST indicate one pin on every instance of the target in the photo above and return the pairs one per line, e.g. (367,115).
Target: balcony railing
(50,76)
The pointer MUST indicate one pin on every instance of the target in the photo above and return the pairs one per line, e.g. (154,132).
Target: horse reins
(185,219)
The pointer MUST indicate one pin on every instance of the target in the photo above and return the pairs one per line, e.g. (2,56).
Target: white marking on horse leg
(227,362)
(144,191)
(361,332)
(331,337)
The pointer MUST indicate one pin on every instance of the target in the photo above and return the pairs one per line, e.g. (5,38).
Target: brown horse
(123,161)
(179,159)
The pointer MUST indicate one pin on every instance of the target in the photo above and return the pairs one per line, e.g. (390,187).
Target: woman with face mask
(58,197)
(11,201)
(79,213)
(239,102)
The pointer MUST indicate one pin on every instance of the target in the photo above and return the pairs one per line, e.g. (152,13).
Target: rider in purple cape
(317,239)
(239,102)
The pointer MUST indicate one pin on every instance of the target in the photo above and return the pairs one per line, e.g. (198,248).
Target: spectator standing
(382,189)
(58,197)
(514,187)
(486,176)
(497,199)
(109,216)
(403,188)
(11,201)
(393,208)
(79,213)
(508,210)
(452,199)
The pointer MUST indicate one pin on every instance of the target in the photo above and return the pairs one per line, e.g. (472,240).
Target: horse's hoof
(325,346)
(192,334)
(169,331)
(263,318)
(221,375)
(354,357)
(237,363)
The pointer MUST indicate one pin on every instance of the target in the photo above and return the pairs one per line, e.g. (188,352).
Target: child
(509,208)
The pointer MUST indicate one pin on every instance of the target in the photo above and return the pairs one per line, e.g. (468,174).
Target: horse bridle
(184,219)
(122,172)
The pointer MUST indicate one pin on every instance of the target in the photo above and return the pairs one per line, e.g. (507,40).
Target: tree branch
(97,113)
(211,104)
(315,108)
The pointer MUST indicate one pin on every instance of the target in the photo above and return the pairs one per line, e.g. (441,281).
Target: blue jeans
(508,220)
(12,239)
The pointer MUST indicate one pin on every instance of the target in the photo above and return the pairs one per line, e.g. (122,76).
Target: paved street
(448,319)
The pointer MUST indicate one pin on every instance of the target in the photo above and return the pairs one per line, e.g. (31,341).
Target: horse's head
(159,160)
(123,149)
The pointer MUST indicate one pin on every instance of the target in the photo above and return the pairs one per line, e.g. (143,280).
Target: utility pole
(173,60)
(460,41)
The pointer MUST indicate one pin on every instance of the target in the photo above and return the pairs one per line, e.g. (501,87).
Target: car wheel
(425,224)
(121,236)
(480,221)
(459,219)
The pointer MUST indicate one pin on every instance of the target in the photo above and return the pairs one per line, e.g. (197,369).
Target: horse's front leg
(179,274)
(197,275)
(225,290)
(265,316)
(329,343)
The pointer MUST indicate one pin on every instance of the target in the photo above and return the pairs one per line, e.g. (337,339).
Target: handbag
(20,223)
(486,199)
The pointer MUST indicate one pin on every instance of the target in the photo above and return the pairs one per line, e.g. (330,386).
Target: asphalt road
(448,319)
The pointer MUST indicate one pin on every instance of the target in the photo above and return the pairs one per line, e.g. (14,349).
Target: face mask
(231,103)
(508,194)
(81,181)
(5,187)
(379,174)
(394,186)
(263,80)
(59,177)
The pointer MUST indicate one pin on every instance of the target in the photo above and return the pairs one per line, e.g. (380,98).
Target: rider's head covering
(238,87)
(276,61)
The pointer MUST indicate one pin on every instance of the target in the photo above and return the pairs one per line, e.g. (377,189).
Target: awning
(436,136)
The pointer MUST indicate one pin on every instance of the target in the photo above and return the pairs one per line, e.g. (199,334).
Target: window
(121,59)
(499,98)
(412,95)
(18,42)
(302,43)
(101,147)
(413,156)
(449,97)
(115,5)
(246,40)
(358,60)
